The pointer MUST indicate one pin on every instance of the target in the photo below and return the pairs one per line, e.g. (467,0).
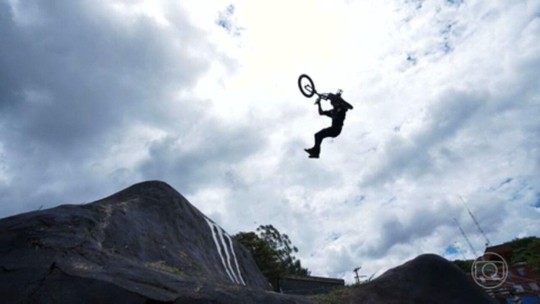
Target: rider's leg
(322,134)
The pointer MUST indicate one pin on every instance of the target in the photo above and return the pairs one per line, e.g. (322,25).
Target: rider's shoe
(312,153)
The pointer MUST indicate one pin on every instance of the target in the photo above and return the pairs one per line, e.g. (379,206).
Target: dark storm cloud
(74,75)
(78,71)
(206,154)
(407,226)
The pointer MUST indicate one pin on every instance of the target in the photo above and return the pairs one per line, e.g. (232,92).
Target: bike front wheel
(306,85)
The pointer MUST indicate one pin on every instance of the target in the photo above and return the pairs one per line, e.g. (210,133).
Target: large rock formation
(426,279)
(148,244)
(145,244)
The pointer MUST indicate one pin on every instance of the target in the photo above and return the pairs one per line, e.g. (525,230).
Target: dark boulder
(145,244)
(427,279)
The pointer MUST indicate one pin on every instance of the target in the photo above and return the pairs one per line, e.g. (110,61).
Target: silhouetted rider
(338,112)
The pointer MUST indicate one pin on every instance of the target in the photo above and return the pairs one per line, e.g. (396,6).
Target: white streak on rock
(212,225)
(228,258)
(236,261)
(235,276)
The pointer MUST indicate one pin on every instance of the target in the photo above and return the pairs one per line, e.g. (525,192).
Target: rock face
(426,279)
(148,244)
(145,244)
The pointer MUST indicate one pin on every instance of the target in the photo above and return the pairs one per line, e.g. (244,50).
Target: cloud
(78,75)
(91,70)
(414,152)
(204,154)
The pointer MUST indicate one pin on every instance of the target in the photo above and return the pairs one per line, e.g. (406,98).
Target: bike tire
(305,83)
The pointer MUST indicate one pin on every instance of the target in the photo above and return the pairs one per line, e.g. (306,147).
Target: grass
(162,266)
(338,295)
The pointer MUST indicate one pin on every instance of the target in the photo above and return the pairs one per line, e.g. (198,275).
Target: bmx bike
(307,87)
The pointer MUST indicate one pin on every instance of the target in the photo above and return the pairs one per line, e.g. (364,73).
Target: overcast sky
(98,95)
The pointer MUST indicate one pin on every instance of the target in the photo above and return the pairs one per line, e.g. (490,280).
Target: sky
(98,95)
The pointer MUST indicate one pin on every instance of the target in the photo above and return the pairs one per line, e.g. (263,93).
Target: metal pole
(356,274)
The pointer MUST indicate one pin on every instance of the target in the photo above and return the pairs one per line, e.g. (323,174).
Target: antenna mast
(357,277)
(466,238)
(475,221)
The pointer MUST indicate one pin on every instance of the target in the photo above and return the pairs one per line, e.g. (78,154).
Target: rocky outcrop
(427,279)
(148,244)
(145,244)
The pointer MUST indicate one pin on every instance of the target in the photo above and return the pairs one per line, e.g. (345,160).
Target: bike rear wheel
(306,85)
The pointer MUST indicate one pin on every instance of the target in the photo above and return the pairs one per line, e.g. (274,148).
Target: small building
(521,281)
(307,285)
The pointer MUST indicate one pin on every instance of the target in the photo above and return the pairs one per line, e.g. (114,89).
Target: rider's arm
(321,112)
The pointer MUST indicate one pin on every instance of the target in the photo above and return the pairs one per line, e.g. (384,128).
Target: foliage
(335,296)
(264,255)
(340,295)
(284,250)
(527,250)
(273,252)
(464,265)
(162,266)
(534,256)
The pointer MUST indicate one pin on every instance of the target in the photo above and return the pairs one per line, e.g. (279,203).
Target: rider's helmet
(339,92)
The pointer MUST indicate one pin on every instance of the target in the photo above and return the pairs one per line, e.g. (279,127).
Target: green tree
(284,249)
(534,256)
(273,253)
(464,265)
(264,255)
(527,250)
